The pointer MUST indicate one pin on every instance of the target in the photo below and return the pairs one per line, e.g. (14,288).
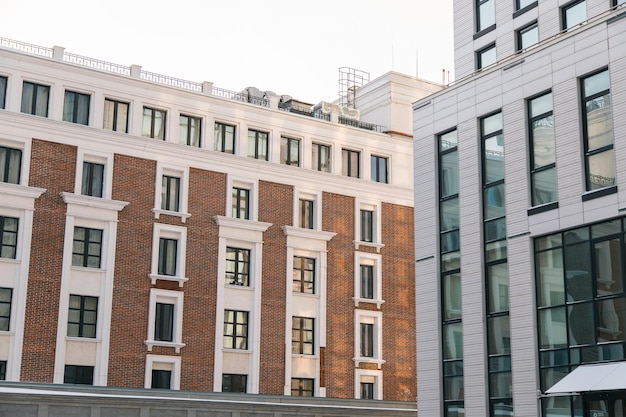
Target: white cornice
(307,233)
(95,202)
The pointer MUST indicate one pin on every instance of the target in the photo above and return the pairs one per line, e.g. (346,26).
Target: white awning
(596,377)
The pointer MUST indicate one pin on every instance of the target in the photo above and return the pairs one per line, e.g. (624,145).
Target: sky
(289,47)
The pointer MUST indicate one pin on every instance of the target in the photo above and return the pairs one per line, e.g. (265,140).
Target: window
(527,36)
(350,161)
(3,92)
(153,123)
(258,143)
(81,319)
(367,281)
(170,193)
(302,332)
(542,150)
(598,131)
(303,275)
(75,374)
(485,14)
(35,99)
(164,322)
(93,179)
(290,151)
(234,383)
(238,266)
(115,115)
(379,168)
(224,137)
(302,387)
(10,165)
(161,379)
(486,56)
(367,225)
(367,340)
(367,390)
(520,4)
(3,370)
(368,343)
(5,308)
(573,14)
(168,254)
(76,107)
(235,329)
(306,213)
(190,130)
(618,2)
(8,234)
(321,157)
(87,247)
(241,203)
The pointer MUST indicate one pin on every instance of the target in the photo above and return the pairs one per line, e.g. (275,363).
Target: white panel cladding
(618,83)
(463,45)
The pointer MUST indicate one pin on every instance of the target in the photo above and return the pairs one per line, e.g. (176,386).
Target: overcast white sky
(290,47)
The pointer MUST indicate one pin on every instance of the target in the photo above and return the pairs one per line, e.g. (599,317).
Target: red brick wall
(53,168)
(276,207)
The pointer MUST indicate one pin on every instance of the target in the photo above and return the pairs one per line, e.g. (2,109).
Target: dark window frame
(222,137)
(186,122)
(92,179)
(302,335)
(76,100)
(9,237)
(166,247)
(366,226)
(164,321)
(4,81)
(6,300)
(479,56)
(302,268)
(366,340)
(238,267)
(306,212)
(241,203)
(3,370)
(91,247)
(347,169)
(84,327)
(161,379)
(8,172)
(367,390)
(519,33)
(116,114)
(563,14)
(289,155)
(480,26)
(170,193)
(321,163)
(238,337)
(366,281)
(302,387)
(257,141)
(152,116)
(380,173)
(235,383)
(78,374)
(37,89)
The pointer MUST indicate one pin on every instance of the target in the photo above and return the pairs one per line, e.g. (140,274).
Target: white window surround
(375,260)
(166,363)
(368,375)
(169,297)
(368,317)
(316,197)
(100,158)
(179,233)
(377,226)
(253,186)
(179,172)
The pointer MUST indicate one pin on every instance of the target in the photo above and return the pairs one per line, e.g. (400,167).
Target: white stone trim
(375,260)
(368,375)
(178,172)
(170,363)
(179,233)
(170,297)
(368,317)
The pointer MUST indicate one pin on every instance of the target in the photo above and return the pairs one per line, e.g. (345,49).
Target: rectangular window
(3,370)
(170,193)
(161,379)
(168,253)
(87,247)
(367,226)
(306,213)
(486,56)
(258,143)
(6,295)
(224,137)
(153,123)
(302,387)
(8,234)
(93,179)
(241,203)
(321,157)
(190,130)
(527,36)
(520,4)
(10,165)
(367,390)
(367,281)
(367,340)
(3,92)
(302,332)
(618,2)
(290,151)
(350,163)
(573,14)
(542,150)
(238,266)
(598,131)
(115,115)
(164,322)
(35,99)
(303,275)
(234,383)
(75,374)
(379,168)
(76,107)
(485,14)
(82,316)
(235,329)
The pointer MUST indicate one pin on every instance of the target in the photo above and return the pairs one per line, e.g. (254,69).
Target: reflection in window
(573,14)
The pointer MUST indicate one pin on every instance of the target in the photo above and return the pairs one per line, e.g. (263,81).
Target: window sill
(379,362)
(358,243)
(484,31)
(232,350)
(175,345)
(155,277)
(10,260)
(239,286)
(305,294)
(183,216)
(542,208)
(87,269)
(590,195)
(303,355)
(368,301)
(82,339)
